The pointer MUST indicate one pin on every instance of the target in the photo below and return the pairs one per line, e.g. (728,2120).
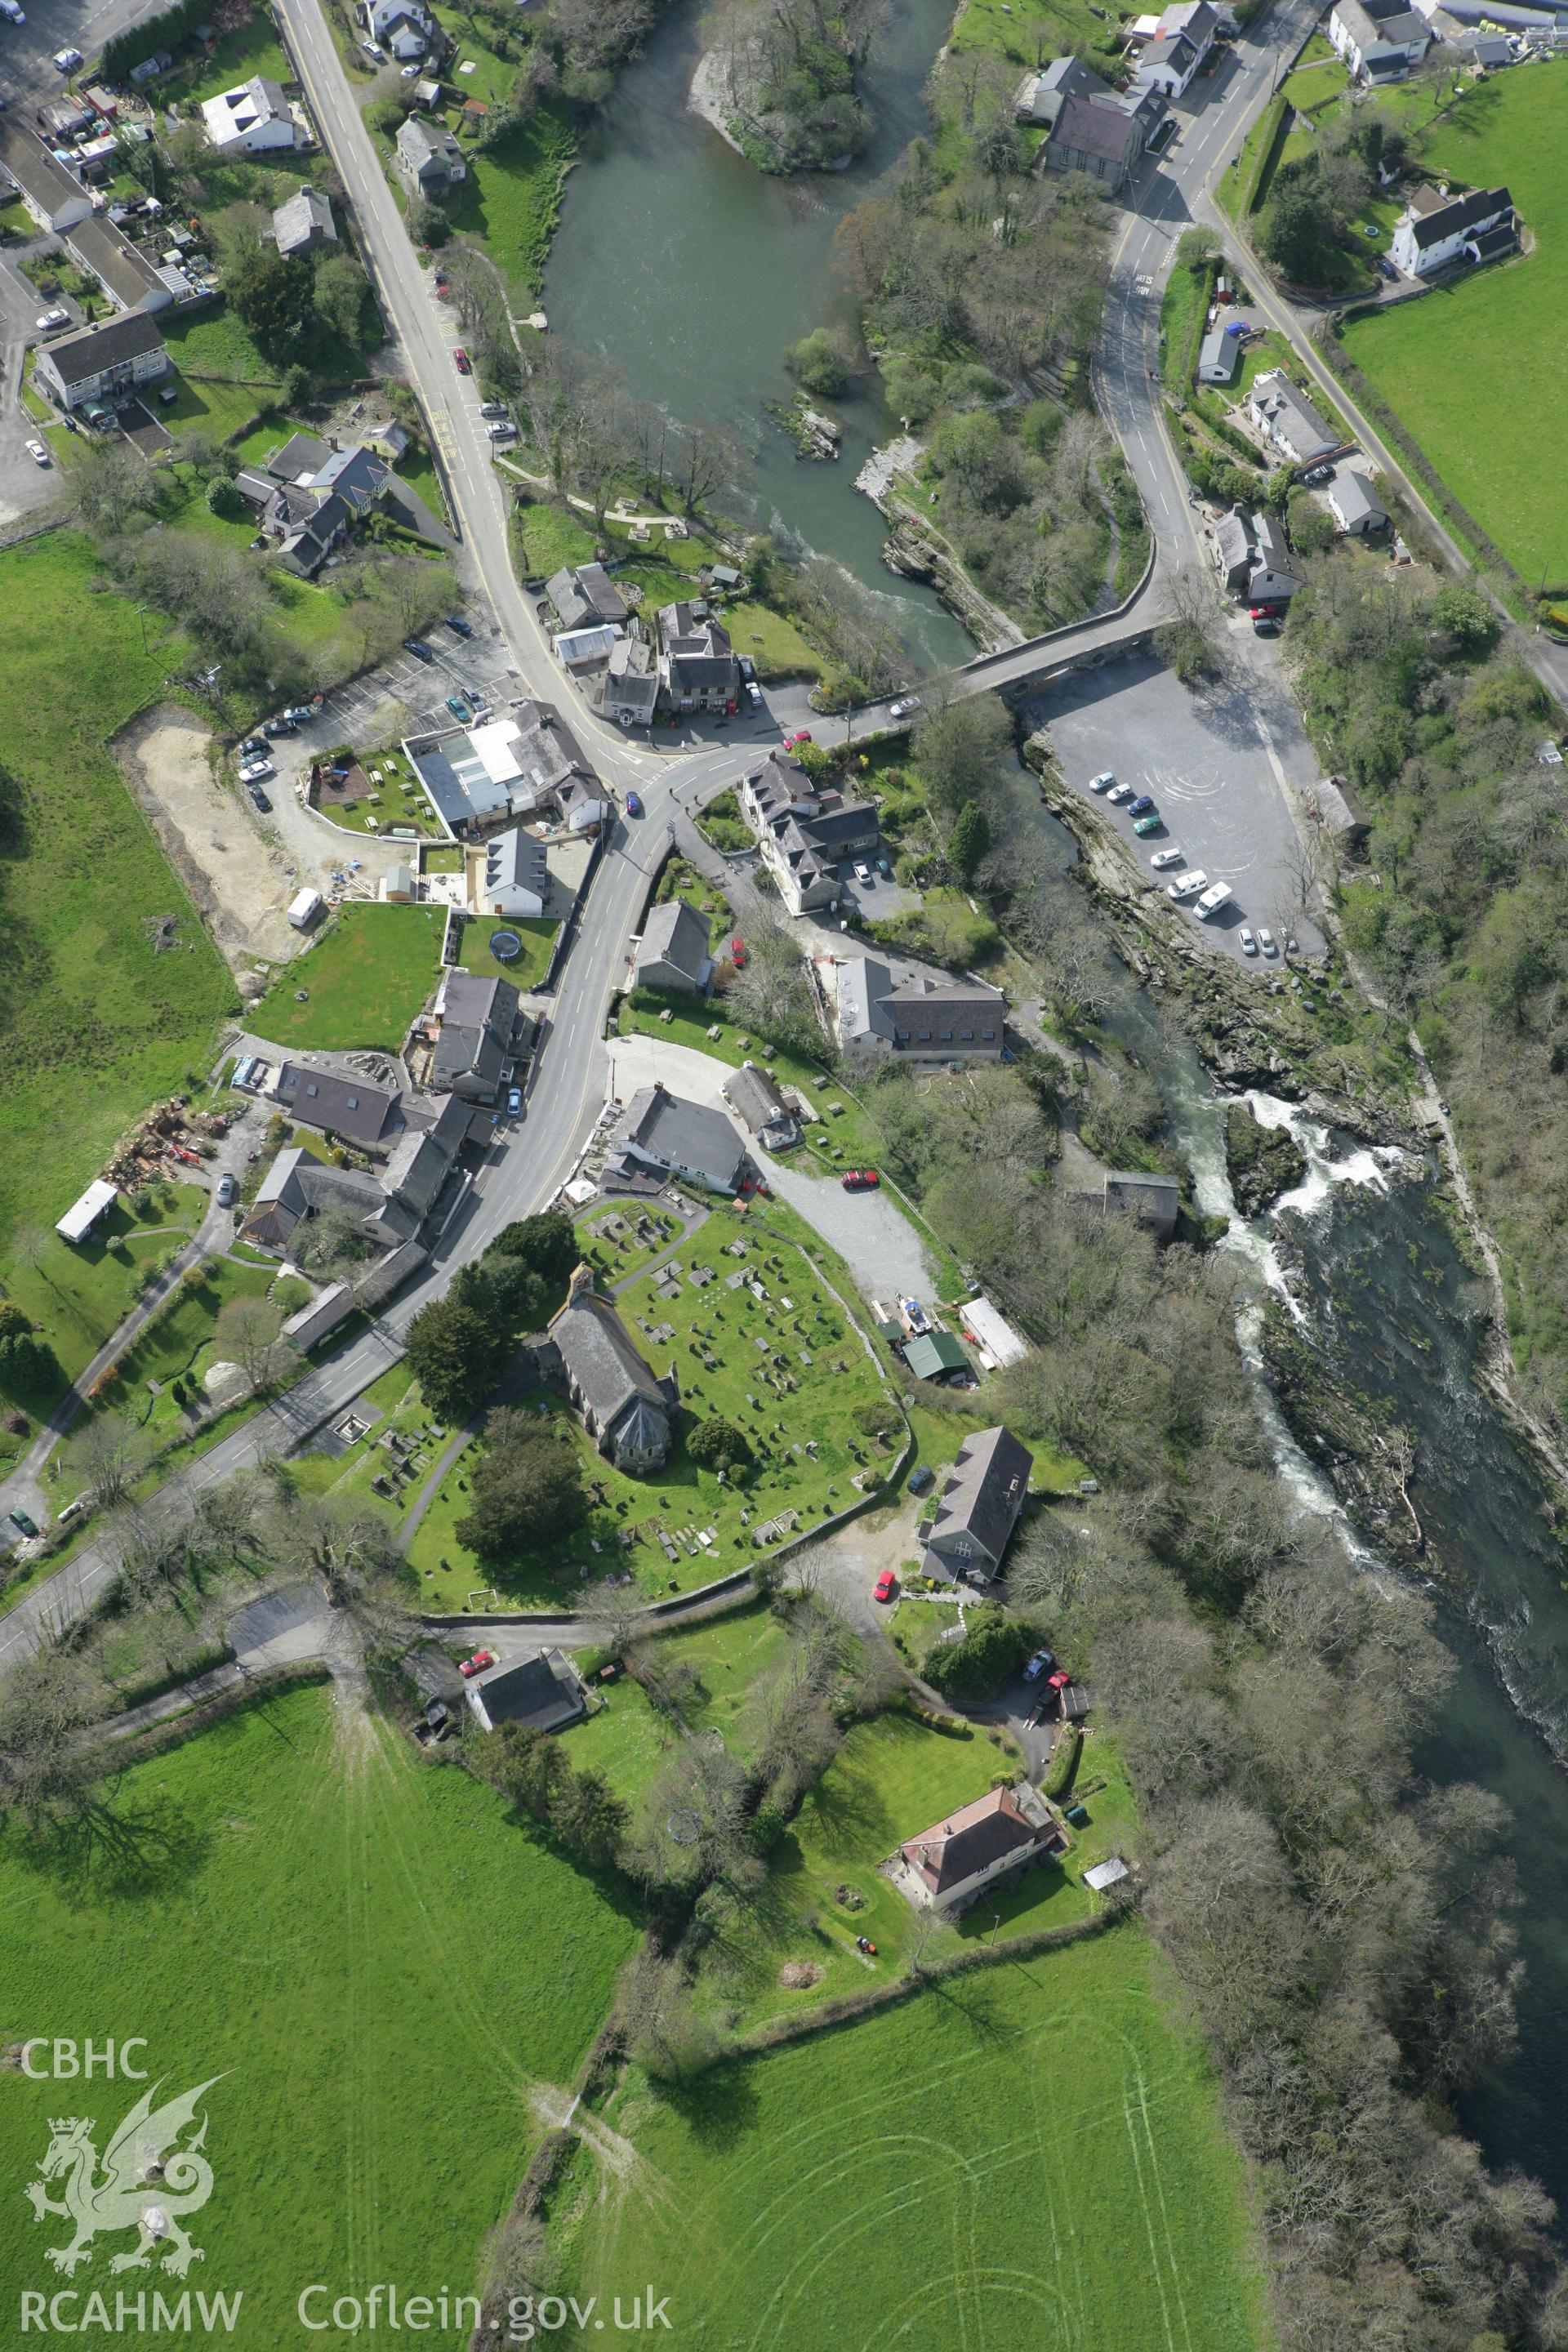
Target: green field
(1495,345)
(367,978)
(379,1969)
(1028,2157)
(512,198)
(525,970)
(93,1025)
(798,1319)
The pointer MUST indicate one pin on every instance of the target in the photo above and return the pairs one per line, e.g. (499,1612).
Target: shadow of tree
(105,1847)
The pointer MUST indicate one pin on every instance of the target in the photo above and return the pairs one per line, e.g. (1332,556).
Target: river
(690,271)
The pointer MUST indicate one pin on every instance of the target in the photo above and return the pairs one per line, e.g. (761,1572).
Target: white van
(1213,900)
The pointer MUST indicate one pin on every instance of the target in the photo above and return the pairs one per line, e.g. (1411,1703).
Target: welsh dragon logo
(146,2183)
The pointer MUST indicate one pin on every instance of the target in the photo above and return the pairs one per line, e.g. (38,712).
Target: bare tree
(109,1456)
(1187,639)
(247,1334)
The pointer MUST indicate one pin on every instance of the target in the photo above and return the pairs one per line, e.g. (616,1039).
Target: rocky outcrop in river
(1261,1161)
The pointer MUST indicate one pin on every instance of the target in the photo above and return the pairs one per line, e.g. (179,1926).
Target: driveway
(872,1235)
(1217,762)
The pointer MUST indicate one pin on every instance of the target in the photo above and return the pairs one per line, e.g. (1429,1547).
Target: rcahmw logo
(151,2178)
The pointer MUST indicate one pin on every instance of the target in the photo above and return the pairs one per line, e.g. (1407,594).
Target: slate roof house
(1287,419)
(1219,357)
(584,597)
(1353,505)
(393,1203)
(673,950)
(697,671)
(428,157)
(476,1025)
(303,222)
(627,1413)
(973,1522)
(1437,228)
(804,836)
(541,1693)
(753,1096)
(54,196)
(921,1020)
(1251,557)
(1380,40)
(662,1135)
(517,875)
(631,682)
(946,1866)
(1091,128)
(310,493)
(103,363)
(253,119)
(404,26)
(130,279)
(338,1106)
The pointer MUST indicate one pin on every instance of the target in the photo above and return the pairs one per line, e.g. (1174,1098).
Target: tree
(109,1456)
(348,1548)
(457,1356)
(270,293)
(958,747)
(1296,228)
(547,1243)
(969,840)
(717,1444)
(586,1814)
(1197,250)
(334,1240)
(109,483)
(296,386)
(224,499)
(247,1333)
(772,994)
(821,362)
(1312,528)
(1187,640)
(526,1767)
(26,1362)
(526,1480)
(342,300)
(1466,616)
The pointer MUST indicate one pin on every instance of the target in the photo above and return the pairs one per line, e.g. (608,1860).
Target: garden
(362,982)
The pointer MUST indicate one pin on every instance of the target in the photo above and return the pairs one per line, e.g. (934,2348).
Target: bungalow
(802,834)
(303,222)
(1353,505)
(919,1020)
(428,158)
(662,1135)
(1287,419)
(1437,228)
(973,1522)
(627,1413)
(997,1837)
(252,119)
(103,363)
(541,1693)
(54,198)
(84,1215)
(752,1094)
(1219,357)
(1379,41)
(672,953)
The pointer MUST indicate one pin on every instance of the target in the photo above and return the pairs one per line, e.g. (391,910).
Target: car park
(261,799)
(1119,793)
(458,626)
(1248,944)
(904,705)
(513,1101)
(860,1180)
(38,454)
(1266,941)
(50,319)
(477,1663)
(225,1188)
(1164,859)
(460,360)
(418,648)
(886,1586)
(254,770)
(1148,824)
(1141,805)
(1187,886)
(1102,783)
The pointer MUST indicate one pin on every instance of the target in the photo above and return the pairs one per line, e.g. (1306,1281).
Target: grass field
(1044,2138)
(525,970)
(380,1969)
(93,1025)
(823,1376)
(1495,345)
(366,979)
(512,198)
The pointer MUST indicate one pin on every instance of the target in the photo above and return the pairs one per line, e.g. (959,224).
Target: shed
(82,1215)
(1106,1874)
(994,1334)
(934,1355)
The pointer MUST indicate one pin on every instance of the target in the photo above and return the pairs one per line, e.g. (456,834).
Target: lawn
(1046,2136)
(772,641)
(525,970)
(735,1657)
(791,1350)
(177,1346)
(365,979)
(510,200)
(253,49)
(215,343)
(94,1025)
(375,1970)
(79,1296)
(394,797)
(1495,345)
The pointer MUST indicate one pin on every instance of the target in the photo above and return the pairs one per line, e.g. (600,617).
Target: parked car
(1315,476)
(302,713)
(493,408)
(1119,793)
(513,1101)
(920,1478)
(460,360)
(800,735)
(1164,859)
(884,869)
(224,1194)
(20,1519)
(254,748)
(1266,612)
(458,626)
(1141,805)
(277,727)
(860,1180)
(9,8)
(1102,783)
(1248,944)
(738,952)
(418,648)
(753,694)
(500,429)
(1266,941)
(1384,266)
(372,49)
(459,708)
(1037,1664)
(1267,628)
(261,799)
(1147,824)
(1188,884)
(38,454)
(904,705)
(887,1584)
(477,1663)
(407,73)
(49,320)
(66,61)
(254,770)
(633,805)
(862,871)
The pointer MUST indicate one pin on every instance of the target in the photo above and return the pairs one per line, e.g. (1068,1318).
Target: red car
(738,952)
(461,359)
(477,1663)
(887,1584)
(860,1180)
(803,736)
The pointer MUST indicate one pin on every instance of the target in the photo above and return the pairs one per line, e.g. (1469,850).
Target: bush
(1064,1762)
(717,1444)
(223,500)
(993,1647)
